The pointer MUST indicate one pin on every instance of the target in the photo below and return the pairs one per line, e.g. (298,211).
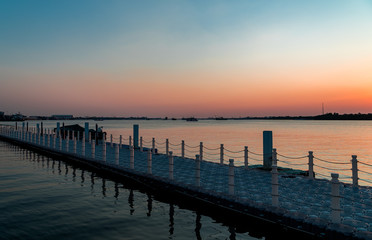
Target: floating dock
(323,208)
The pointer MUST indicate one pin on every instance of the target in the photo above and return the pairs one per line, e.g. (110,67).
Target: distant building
(62,117)
(18,117)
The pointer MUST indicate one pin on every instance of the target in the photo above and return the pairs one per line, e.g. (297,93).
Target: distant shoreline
(328,116)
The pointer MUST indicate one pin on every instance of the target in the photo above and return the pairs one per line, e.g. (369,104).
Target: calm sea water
(332,141)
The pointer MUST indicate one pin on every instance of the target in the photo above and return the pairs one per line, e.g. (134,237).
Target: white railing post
(149,162)
(311,165)
(335,201)
(197,170)
(354,164)
(103,149)
(116,154)
(231,177)
(153,145)
(74,143)
(183,149)
(274,157)
(141,144)
(93,148)
(221,154)
(246,157)
(201,151)
(274,186)
(121,142)
(54,141)
(111,143)
(47,140)
(170,157)
(131,149)
(67,141)
(130,140)
(83,145)
(60,142)
(167,147)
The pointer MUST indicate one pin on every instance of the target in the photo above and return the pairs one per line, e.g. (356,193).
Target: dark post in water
(135,135)
(267,149)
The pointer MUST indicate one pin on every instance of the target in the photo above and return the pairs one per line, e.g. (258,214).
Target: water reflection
(116,196)
(104,187)
(171,219)
(149,204)
(82,178)
(198,226)
(131,201)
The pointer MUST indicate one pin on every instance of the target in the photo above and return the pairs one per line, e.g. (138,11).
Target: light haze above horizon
(185,58)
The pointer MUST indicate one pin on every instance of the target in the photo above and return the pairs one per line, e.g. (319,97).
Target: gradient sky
(185,58)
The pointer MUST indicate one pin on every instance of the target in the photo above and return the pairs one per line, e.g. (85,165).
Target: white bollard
(149,162)
(153,145)
(141,145)
(231,177)
(183,149)
(117,154)
(93,147)
(167,147)
(335,202)
(121,141)
(311,165)
(170,157)
(246,157)
(221,154)
(131,149)
(274,186)
(197,170)
(354,164)
(201,151)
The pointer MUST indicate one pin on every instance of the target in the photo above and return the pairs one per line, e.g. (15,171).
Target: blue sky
(43,40)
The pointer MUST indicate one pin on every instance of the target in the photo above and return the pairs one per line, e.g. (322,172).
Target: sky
(185,58)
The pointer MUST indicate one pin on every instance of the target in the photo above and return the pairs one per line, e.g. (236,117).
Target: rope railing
(294,164)
(332,162)
(233,151)
(300,157)
(257,154)
(333,169)
(191,146)
(365,164)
